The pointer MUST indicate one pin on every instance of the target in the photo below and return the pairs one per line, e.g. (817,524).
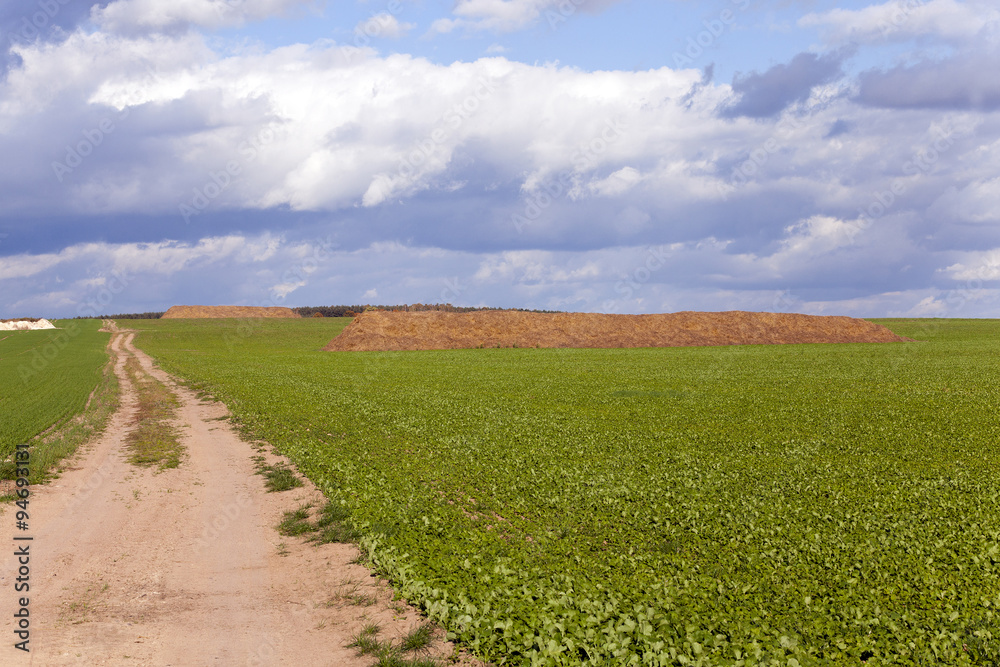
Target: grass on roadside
(277,477)
(331,524)
(153,440)
(386,654)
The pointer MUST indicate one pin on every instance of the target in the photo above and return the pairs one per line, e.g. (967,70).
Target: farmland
(47,378)
(777,505)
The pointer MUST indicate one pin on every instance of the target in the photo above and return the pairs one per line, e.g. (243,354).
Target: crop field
(755,505)
(47,376)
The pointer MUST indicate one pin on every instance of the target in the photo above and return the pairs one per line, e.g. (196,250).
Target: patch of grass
(330,514)
(296,522)
(385,653)
(330,525)
(419,638)
(152,440)
(333,526)
(366,640)
(278,477)
(338,533)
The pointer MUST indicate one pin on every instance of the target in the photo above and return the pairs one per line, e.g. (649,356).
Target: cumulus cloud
(315,128)
(384,25)
(511,15)
(96,278)
(489,181)
(24,23)
(978,202)
(977,267)
(898,21)
(139,16)
(957,77)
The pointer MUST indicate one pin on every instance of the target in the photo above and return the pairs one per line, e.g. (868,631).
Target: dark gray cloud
(767,94)
(967,81)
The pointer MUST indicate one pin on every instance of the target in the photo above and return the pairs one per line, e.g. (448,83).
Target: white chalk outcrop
(25,325)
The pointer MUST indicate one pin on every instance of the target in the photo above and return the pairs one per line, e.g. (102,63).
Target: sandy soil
(130,566)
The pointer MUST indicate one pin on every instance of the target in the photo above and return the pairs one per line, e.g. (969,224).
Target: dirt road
(135,566)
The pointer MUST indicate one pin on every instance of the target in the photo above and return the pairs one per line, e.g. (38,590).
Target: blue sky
(584,155)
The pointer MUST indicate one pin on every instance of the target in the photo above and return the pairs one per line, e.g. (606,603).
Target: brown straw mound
(202,312)
(384,330)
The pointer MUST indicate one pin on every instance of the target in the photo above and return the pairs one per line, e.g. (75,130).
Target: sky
(617,156)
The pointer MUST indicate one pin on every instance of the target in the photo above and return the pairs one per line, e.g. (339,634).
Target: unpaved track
(133,566)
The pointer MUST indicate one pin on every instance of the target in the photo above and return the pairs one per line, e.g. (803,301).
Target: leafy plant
(750,505)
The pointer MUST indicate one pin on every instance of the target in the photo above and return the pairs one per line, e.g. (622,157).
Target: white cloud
(510,15)
(820,234)
(164,258)
(894,20)
(977,202)
(127,16)
(617,183)
(701,275)
(383,24)
(930,306)
(25,266)
(282,290)
(977,267)
(444,155)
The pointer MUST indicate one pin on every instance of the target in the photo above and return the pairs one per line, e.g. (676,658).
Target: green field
(47,377)
(755,505)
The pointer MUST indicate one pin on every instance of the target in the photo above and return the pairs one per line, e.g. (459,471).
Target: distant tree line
(344,311)
(126,316)
(352,311)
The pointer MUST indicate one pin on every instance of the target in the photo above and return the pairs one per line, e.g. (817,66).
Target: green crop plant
(747,505)
(48,376)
